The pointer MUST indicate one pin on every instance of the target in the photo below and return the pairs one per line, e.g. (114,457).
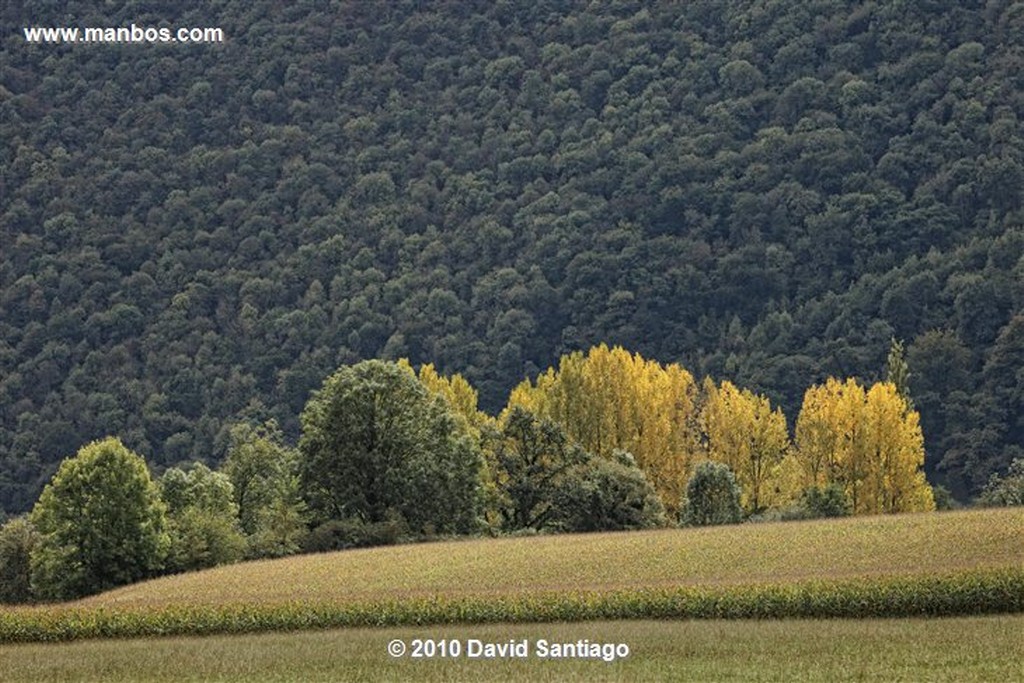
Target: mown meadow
(960,649)
(944,564)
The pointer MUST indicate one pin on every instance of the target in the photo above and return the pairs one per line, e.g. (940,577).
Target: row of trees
(607,441)
(867,441)
(103,521)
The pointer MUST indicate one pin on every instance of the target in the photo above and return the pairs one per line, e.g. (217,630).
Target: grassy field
(783,552)
(948,563)
(955,649)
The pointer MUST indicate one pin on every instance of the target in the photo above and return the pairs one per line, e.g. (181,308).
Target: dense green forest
(765,192)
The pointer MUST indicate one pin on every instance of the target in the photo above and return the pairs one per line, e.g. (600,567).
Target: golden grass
(896,545)
(969,562)
(959,649)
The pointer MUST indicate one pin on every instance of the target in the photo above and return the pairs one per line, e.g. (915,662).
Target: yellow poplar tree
(818,438)
(610,400)
(869,442)
(895,448)
(741,430)
(458,392)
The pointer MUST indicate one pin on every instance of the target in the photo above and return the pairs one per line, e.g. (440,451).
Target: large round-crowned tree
(102,523)
(375,443)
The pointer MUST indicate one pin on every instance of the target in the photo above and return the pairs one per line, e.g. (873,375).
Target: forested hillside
(763,192)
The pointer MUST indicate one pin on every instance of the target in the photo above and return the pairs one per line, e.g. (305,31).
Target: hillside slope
(897,565)
(194,234)
(778,553)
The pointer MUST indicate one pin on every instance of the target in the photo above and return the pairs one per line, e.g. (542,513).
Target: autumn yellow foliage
(610,399)
(741,430)
(868,441)
(458,392)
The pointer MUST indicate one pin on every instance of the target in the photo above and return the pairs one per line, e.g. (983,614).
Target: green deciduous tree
(264,476)
(712,496)
(18,538)
(202,518)
(102,524)
(531,458)
(375,442)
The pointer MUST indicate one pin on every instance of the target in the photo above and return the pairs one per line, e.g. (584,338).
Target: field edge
(965,593)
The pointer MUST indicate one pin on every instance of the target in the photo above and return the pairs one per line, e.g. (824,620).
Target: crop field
(939,564)
(960,649)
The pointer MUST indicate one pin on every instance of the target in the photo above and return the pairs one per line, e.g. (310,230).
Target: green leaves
(18,538)
(203,518)
(712,496)
(374,440)
(102,524)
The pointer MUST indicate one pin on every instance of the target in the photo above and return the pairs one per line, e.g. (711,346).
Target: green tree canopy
(202,516)
(18,538)
(375,442)
(531,458)
(712,496)
(264,475)
(608,494)
(102,523)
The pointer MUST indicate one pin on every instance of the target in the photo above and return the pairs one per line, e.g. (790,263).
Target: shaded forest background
(191,236)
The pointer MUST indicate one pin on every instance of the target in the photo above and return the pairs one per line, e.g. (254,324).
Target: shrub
(352,532)
(712,497)
(830,501)
(790,513)
(608,495)
(17,539)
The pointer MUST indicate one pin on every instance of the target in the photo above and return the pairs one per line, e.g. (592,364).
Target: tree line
(608,440)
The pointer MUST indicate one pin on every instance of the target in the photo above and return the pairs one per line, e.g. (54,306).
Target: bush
(608,495)
(830,501)
(790,513)
(352,532)
(17,539)
(712,497)
(814,503)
